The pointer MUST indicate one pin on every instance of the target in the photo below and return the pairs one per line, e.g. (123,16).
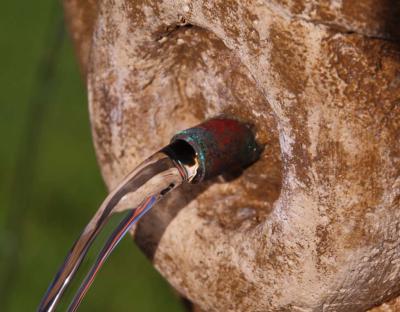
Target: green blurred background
(49,180)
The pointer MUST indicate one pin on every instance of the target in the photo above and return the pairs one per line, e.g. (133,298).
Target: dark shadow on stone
(153,225)
(392,20)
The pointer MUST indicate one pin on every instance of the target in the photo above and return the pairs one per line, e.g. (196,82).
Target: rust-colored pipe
(220,144)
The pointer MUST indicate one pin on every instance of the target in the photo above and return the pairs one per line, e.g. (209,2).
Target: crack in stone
(331,26)
(339,29)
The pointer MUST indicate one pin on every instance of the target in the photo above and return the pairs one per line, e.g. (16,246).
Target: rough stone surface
(315,224)
(81,17)
(391,306)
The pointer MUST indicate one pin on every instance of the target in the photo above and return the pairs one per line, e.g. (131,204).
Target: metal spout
(219,145)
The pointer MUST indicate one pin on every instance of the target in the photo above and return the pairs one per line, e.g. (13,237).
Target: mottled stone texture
(81,16)
(315,224)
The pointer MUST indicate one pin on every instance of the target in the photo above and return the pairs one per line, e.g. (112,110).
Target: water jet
(194,155)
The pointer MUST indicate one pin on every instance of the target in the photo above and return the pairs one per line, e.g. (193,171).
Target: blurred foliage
(49,180)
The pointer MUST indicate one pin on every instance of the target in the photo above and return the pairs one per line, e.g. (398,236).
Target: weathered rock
(81,16)
(391,306)
(314,225)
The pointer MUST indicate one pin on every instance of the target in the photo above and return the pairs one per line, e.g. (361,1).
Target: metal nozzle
(219,145)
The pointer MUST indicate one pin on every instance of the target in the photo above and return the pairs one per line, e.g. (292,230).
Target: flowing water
(141,189)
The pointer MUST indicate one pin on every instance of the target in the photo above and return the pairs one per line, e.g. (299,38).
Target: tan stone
(314,225)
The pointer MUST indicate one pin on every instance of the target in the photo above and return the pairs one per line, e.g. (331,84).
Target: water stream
(142,188)
(196,154)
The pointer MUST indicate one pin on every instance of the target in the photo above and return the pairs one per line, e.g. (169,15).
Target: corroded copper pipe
(220,145)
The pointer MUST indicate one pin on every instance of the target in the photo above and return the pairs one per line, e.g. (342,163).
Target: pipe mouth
(217,145)
(185,159)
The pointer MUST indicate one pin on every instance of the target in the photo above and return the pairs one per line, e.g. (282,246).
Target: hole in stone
(198,77)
